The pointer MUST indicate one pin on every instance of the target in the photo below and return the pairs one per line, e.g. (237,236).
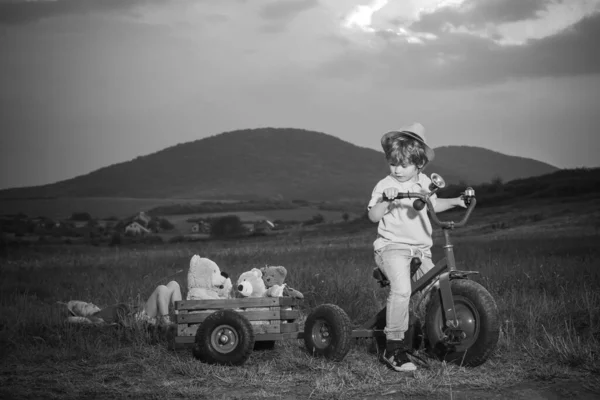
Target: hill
(476,165)
(270,163)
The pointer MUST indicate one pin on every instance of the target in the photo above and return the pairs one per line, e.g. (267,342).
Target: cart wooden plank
(289,314)
(181,328)
(234,303)
(199,316)
(289,327)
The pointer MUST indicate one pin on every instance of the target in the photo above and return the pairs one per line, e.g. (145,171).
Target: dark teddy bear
(274,276)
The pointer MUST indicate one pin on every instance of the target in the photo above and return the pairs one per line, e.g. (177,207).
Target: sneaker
(398,360)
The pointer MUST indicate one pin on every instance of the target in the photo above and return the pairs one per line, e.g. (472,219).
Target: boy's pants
(394,261)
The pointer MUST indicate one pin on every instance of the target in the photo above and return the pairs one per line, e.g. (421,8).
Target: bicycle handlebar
(424,198)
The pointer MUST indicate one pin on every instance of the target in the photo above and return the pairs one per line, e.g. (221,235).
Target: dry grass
(546,287)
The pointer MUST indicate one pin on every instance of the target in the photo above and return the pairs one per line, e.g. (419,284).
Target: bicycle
(461,319)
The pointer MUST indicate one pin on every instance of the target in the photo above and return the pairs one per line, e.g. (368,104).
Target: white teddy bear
(205,280)
(250,284)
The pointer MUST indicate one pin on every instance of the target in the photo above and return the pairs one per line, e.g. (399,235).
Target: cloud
(476,14)
(463,59)
(27,11)
(573,51)
(286,9)
(280,12)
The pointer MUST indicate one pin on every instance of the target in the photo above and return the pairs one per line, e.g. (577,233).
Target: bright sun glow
(360,16)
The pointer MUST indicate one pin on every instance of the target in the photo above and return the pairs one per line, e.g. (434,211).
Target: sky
(89,83)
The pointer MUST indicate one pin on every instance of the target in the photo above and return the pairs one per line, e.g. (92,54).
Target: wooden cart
(225,331)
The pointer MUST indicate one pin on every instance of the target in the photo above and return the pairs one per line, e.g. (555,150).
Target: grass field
(542,265)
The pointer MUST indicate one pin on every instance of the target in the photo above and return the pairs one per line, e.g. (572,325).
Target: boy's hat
(414,131)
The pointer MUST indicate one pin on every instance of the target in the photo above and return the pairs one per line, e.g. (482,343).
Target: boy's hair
(401,150)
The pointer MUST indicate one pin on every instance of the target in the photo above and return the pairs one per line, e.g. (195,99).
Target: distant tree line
(214,207)
(226,227)
(559,184)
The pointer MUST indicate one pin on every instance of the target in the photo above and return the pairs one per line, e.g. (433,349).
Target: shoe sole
(408,367)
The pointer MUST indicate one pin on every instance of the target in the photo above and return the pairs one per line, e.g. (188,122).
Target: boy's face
(403,172)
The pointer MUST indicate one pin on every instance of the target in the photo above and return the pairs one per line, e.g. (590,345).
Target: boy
(403,232)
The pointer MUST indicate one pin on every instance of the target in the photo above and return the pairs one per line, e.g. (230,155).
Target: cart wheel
(225,337)
(478,328)
(327,332)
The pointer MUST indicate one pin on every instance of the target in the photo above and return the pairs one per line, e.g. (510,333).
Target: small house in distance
(136,229)
(143,218)
(201,227)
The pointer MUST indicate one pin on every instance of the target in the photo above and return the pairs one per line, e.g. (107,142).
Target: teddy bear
(226,292)
(81,312)
(205,280)
(274,277)
(251,284)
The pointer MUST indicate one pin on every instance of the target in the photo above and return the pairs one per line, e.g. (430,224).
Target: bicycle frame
(442,273)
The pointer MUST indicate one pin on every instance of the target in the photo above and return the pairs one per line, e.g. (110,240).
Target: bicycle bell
(468,194)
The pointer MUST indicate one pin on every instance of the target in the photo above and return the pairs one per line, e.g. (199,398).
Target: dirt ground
(554,390)
(557,389)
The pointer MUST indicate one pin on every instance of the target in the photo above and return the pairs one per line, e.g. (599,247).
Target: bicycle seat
(383,281)
(380,277)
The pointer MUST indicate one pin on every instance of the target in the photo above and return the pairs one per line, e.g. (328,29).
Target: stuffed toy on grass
(81,312)
(251,284)
(205,280)
(274,277)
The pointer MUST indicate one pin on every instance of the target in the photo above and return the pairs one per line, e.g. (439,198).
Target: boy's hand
(390,193)
(460,201)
